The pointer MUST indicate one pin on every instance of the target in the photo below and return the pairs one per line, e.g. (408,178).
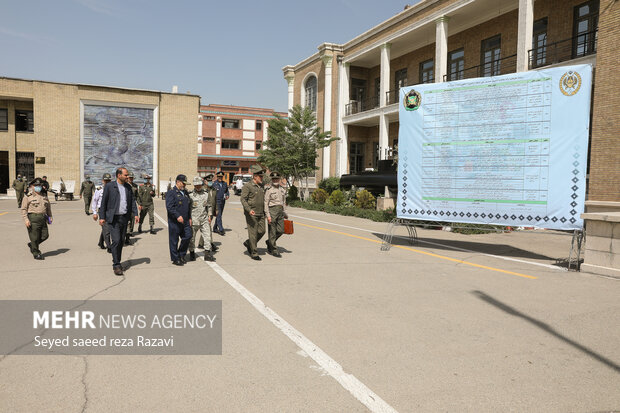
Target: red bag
(288,226)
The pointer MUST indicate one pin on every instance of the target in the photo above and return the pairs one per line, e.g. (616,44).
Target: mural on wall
(117,136)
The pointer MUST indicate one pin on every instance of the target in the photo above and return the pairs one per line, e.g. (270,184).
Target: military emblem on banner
(570,83)
(412,100)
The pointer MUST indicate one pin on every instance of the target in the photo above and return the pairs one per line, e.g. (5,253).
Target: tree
(294,143)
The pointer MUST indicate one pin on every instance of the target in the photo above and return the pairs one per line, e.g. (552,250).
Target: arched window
(311,87)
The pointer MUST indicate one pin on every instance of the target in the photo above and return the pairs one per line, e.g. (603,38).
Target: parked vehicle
(373,181)
(244,178)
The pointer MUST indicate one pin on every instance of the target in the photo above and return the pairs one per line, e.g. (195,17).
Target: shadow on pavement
(55,252)
(547,328)
(481,247)
(137,261)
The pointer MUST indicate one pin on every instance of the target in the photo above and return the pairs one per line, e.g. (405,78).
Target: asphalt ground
(335,325)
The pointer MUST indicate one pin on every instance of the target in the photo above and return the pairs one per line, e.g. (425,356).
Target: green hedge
(374,215)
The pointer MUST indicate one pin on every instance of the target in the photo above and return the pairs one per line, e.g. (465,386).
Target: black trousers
(118,229)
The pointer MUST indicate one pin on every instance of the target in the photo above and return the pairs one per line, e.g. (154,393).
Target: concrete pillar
(327,112)
(12,135)
(384,83)
(525,34)
(343,100)
(441,48)
(384,131)
(291,90)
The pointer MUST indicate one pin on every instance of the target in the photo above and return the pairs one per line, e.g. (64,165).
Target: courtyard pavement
(454,323)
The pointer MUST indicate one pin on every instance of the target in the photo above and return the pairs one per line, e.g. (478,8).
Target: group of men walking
(120,204)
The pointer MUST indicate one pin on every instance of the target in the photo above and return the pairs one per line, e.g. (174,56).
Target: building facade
(229,138)
(68,131)
(353,87)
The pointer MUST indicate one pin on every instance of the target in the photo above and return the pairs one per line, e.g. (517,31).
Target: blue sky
(228,52)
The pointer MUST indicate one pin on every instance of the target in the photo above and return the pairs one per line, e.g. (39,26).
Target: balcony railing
(392,96)
(563,50)
(357,106)
(498,67)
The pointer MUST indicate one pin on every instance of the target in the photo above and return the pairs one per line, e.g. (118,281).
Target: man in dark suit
(118,206)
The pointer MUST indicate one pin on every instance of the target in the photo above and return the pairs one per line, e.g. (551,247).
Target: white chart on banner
(495,149)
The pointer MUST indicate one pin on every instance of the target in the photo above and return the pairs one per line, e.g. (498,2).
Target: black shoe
(39,257)
(209,256)
(177,262)
(101,246)
(30,245)
(256,257)
(246,243)
(214,248)
(276,254)
(183,259)
(118,270)
(192,256)
(128,240)
(269,247)
(152,231)
(140,229)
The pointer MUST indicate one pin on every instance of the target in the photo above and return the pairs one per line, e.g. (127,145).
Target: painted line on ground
(2,213)
(423,252)
(358,389)
(553,267)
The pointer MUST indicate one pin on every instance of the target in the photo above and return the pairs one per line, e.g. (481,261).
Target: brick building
(229,138)
(69,130)
(354,86)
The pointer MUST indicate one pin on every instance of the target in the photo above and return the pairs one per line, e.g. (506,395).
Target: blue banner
(505,150)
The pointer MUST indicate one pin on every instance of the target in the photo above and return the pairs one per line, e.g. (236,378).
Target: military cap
(36,181)
(220,173)
(131,174)
(209,177)
(197,181)
(87,177)
(107,177)
(147,176)
(275,175)
(256,169)
(19,175)
(181,178)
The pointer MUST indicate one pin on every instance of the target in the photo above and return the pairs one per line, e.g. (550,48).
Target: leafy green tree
(294,143)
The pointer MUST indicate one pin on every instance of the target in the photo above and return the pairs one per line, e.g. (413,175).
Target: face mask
(209,184)
(275,183)
(37,188)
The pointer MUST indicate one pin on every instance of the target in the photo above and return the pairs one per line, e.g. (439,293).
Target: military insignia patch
(570,83)
(412,100)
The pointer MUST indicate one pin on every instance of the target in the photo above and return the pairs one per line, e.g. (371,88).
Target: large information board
(507,150)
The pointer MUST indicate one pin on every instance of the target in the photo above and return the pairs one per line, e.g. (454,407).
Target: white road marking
(553,267)
(358,389)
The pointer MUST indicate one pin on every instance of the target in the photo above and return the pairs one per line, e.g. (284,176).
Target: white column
(441,48)
(384,131)
(291,90)
(327,112)
(526,30)
(343,100)
(384,83)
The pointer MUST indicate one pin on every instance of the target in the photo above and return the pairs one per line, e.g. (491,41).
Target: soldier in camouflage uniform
(202,205)
(208,182)
(131,223)
(86,192)
(145,203)
(253,201)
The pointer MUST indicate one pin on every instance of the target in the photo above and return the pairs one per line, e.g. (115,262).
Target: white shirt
(239,184)
(96,202)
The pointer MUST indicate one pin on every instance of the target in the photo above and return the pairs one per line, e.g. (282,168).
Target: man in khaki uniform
(145,203)
(86,193)
(202,205)
(275,201)
(36,210)
(19,185)
(253,201)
